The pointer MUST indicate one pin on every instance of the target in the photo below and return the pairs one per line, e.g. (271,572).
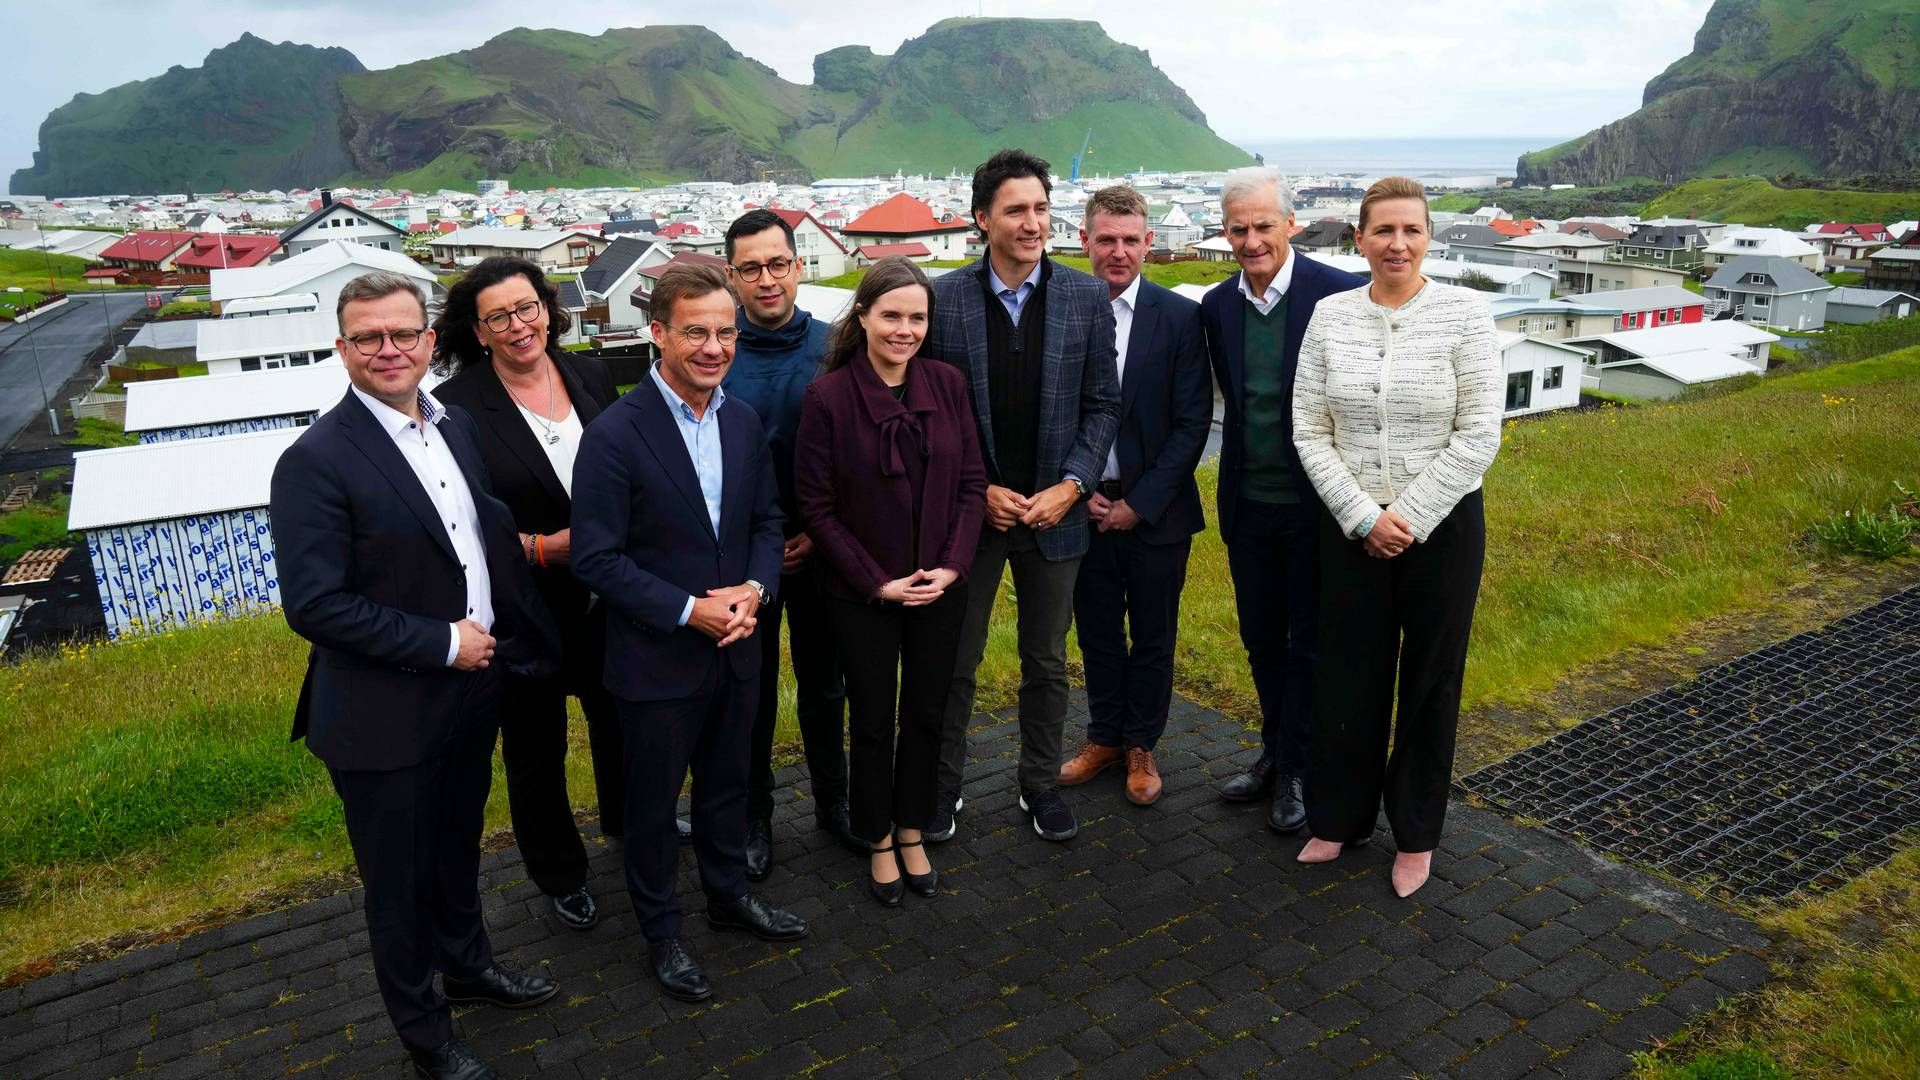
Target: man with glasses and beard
(777,356)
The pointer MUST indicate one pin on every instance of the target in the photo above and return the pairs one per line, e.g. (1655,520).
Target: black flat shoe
(1250,786)
(887,893)
(507,989)
(1289,811)
(759,849)
(763,920)
(680,977)
(927,884)
(454,1060)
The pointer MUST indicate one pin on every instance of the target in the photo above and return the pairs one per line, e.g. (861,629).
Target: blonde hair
(1116,201)
(1394,187)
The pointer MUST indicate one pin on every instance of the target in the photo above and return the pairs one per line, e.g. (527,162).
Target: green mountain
(632,106)
(1822,87)
(253,114)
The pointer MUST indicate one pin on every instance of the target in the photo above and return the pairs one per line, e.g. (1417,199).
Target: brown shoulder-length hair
(849,338)
(456,342)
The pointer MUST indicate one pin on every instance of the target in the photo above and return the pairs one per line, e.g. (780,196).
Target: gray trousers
(1044,591)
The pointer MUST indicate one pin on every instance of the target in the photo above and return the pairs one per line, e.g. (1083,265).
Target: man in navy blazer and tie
(1255,321)
(405,573)
(677,529)
(1146,509)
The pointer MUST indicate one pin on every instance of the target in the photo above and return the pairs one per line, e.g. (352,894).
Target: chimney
(326,198)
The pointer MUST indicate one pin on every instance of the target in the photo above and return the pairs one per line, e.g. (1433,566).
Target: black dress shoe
(453,1061)
(887,893)
(576,910)
(1252,785)
(836,819)
(1289,806)
(927,884)
(759,849)
(685,829)
(680,977)
(507,989)
(763,920)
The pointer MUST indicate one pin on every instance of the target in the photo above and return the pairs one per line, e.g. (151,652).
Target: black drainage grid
(1795,766)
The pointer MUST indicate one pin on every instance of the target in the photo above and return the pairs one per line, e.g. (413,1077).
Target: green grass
(1607,530)
(185,307)
(34,525)
(1762,161)
(46,271)
(92,431)
(13,303)
(1755,201)
(1841,279)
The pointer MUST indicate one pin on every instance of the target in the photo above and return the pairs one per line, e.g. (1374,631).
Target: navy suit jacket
(1166,411)
(369,576)
(1224,313)
(1079,399)
(643,540)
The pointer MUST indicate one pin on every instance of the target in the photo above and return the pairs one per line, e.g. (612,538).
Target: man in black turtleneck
(778,355)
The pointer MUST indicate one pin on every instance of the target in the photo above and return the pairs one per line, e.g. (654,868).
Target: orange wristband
(540,549)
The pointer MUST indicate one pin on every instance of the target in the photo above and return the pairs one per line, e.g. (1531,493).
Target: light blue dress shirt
(1015,298)
(701,434)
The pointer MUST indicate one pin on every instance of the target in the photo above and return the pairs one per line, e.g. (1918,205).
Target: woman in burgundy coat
(892,488)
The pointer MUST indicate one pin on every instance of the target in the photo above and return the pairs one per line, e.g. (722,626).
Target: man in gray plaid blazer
(1036,341)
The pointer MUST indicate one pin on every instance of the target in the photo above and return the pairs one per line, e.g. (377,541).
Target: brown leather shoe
(1090,762)
(1143,777)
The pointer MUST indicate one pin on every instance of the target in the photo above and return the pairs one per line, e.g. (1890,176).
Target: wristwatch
(765,598)
(1080,486)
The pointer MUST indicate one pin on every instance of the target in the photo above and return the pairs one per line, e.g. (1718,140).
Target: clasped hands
(1111,514)
(1390,536)
(919,588)
(726,615)
(1039,511)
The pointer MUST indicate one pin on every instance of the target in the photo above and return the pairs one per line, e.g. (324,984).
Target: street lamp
(40,376)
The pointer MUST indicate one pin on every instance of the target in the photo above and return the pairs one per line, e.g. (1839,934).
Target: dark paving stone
(1183,938)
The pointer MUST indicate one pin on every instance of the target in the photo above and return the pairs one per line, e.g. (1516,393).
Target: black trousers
(1273,556)
(899,665)
(1411,616)
(1128,587)
(533,745)
(707,732)
(822,697)
(416,839)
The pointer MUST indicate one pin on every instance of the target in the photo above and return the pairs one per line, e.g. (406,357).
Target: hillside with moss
(632,107)
(1821,87)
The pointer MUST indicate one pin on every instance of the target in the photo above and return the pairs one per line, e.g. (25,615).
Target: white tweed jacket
(1398,408)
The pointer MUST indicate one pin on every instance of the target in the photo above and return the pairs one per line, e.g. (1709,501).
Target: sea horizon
(1449,161)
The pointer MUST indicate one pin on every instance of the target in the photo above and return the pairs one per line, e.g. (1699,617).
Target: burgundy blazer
(854,496)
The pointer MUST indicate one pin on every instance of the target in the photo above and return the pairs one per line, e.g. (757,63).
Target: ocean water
(1442,162)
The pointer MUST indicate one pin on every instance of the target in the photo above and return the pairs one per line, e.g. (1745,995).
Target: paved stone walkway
(1172,940)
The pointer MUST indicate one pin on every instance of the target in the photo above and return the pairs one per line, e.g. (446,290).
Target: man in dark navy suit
(405,573)
(677,527)
(1269,511)
(1146,507)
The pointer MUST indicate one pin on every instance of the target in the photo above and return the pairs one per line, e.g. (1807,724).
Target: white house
(1508,280)
(904,219)
(321,271)
(1766,242)
(177,531)
(821,254)
(252,307)
(341,221)
(1541,375)
(550,249)
(1661,362)
(609,282)
(167,410)
(267,343)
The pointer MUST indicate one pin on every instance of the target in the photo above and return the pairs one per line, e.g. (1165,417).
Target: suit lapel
(1146,316)
(662,434)
(377,445)
(1233,331)
(973,331)
(1053,351)
(736,497)
(1301,296)
(503,416)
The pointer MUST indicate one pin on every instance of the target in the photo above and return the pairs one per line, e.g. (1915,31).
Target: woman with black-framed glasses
(498,338)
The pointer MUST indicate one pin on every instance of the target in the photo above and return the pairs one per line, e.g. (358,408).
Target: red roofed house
(679,229)
(1841,240)
(650,275)
(225,251)
(1509,227)
(146,251)
(904,219)
(873,253)
(821,254)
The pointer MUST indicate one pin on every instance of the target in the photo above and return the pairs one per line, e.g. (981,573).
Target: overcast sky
(1261,70)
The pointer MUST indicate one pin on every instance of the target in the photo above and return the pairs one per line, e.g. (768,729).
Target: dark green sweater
(1267,472)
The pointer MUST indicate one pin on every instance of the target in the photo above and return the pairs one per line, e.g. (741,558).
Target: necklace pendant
(553,438)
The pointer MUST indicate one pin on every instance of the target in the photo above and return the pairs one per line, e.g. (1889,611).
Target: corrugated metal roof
(213,399)
(158,481)
(267,335)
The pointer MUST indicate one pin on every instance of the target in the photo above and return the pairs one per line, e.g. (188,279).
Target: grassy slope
(29,270)
(1755,201)
(146,784)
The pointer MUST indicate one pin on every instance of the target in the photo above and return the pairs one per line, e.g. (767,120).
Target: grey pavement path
(1180,939)
(42,353)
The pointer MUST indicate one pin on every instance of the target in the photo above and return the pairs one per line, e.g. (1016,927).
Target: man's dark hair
(1002,167)
(755,222)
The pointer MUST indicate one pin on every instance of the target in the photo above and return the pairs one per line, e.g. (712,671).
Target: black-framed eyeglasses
(500,320)
(404,339)
(778,267)
(698,336)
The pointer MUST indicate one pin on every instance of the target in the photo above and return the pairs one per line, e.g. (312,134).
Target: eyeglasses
(526,313)
(750,273)
(369,343)
(698,336)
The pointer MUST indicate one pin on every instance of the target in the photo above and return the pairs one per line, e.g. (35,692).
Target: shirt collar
(1277,288)
(1032,281)
(1130,297)
(678,404)
(392,420)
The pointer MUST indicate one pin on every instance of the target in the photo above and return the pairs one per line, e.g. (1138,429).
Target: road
(62,340)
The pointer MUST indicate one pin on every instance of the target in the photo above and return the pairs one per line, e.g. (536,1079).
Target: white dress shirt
(433,464)
(1277,288)
(1122,329)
